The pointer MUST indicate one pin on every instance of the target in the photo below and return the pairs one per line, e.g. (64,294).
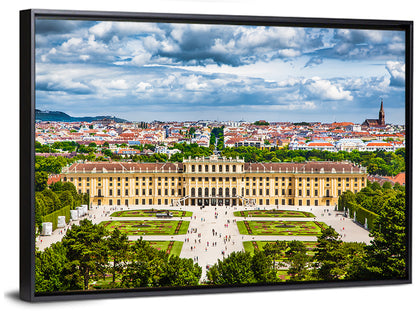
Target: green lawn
(163,246)
(150,213)
(250,246)
(148,227)
(281,227)
(272,213)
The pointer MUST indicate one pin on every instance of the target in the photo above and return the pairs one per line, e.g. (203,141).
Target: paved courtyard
(213,232)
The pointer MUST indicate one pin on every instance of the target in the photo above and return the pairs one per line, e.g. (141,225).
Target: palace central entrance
(217,201)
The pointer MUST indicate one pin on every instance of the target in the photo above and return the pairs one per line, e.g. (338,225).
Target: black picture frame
(27,139)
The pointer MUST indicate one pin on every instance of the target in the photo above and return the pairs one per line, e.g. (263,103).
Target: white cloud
(73,42)
(397,71)
(84,57)
(143,86)
(289,53)
(141,59)
(326,90)
(193,83)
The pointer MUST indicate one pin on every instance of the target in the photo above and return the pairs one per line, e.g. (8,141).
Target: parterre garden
(171,247)
(150,213)
(148,227)
(273,213)
(281,227)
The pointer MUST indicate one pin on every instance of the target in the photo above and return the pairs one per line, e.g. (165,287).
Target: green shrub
(361,214)
(53,217)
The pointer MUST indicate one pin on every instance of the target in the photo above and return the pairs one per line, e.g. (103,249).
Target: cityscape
(173,155)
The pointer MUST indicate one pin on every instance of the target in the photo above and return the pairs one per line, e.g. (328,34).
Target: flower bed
(273,213)
(150,213)
(283,227)
(148,227)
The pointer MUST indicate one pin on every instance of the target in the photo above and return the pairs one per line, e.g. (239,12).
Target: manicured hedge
(362,214)
(53,217)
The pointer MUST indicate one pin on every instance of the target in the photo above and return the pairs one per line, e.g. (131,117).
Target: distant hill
(59,116)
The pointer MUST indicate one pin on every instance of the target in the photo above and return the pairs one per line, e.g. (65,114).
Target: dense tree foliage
(86,252)
(89,252)
(386,256)
(217,138)
(234,269)
(52,165)
(58,195)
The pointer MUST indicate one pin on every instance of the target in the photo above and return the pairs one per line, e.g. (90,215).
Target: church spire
(381,115)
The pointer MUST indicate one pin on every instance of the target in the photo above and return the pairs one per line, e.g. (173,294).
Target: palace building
(215,181)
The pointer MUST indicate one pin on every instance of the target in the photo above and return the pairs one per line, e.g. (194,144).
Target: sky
(177,72)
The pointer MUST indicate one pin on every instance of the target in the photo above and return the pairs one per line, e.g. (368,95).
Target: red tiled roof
(53,179)
(320,144)
(379,144)
(399,178)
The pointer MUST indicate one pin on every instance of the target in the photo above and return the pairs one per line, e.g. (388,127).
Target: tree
(41,181)
(86,252)
(144,266)
(387,253)
(235,269)
(298,261)
(117,244)
(66,199)
(50,270)
(328,255)
(51,200)
(180,272)
(262,267)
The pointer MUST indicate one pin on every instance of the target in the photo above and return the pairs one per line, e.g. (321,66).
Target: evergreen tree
(86,252)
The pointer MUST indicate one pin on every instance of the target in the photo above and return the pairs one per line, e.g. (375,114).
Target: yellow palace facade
(215,181)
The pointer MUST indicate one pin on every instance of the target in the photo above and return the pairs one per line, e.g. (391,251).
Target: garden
(273,213)
(148,227)
(150,213)
(281,227)
(170,247)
